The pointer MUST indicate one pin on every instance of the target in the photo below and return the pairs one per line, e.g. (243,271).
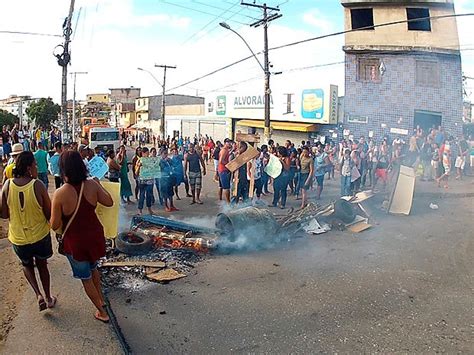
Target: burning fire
(165,238)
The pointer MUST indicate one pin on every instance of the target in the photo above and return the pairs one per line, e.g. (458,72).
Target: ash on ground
(134,278)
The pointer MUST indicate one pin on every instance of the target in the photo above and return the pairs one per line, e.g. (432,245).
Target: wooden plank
(252,179)
(243,137)
(242,159)
(165,275)
(359,227)
(155,264)
(236,184)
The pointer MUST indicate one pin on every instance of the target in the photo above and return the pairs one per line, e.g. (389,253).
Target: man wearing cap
(8,172)
(224,173)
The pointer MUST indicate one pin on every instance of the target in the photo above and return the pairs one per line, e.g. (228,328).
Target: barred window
(368,70)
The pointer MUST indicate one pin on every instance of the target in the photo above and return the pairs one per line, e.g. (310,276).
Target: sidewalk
(68,329)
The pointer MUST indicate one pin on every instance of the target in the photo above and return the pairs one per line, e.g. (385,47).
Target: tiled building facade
(404,75)
(392,103)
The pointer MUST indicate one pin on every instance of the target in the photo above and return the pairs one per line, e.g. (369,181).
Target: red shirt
(224,158)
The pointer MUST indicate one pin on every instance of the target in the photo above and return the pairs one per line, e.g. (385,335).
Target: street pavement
(405,285)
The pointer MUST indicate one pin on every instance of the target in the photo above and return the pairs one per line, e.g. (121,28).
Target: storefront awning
(283,126)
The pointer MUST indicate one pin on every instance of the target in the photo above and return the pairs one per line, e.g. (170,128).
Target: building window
(368,70)
(427,73)
(414,13)
(362,19)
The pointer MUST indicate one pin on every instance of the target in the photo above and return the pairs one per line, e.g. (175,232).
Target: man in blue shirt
(53,164)
(41,158)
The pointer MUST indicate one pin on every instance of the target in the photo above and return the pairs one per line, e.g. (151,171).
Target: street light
(266,71)
(151,74)
(227,27)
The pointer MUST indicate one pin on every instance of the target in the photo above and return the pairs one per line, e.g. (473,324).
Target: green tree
(44,112)
(7,118)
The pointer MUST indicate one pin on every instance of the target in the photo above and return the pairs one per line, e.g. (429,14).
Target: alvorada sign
(318,105)
(249,102)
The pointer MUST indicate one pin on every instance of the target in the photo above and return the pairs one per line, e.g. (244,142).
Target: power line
(209,23)
(220,8)
(313,39)
(30,33)
(196,10)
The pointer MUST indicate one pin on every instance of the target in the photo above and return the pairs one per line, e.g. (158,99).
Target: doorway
(427,120)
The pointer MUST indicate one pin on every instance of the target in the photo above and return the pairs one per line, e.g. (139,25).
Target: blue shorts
(320,180)
(81,269)
(224,180)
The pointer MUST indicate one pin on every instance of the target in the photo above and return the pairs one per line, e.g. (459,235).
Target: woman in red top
(84,242)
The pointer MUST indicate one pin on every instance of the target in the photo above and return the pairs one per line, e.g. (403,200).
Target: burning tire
(133,244)
(343,210)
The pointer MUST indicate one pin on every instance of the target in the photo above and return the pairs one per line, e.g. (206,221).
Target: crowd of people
(363,163)
(302,171)
(29,139)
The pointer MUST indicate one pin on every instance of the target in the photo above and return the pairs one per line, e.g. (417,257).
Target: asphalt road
(406,285)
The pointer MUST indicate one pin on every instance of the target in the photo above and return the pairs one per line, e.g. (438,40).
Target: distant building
(126,115)
(100,98)
(17,106)
(178,109)
(124,95)
(401,76)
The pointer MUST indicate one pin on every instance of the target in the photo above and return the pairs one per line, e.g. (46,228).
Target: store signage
(357,119)
(399,131)
(312,103)
(221,105)
(333,103)
(250,102)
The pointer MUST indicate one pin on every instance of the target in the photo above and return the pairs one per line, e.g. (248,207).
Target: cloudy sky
(113,37)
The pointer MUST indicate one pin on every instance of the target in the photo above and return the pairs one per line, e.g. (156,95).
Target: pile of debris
(160,249)
(155,249)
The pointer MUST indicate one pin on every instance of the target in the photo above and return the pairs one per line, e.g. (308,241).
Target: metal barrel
(249,222)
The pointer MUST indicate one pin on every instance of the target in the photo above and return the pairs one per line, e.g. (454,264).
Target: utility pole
(267,91)
(73,137)
(63,60)
(163,100)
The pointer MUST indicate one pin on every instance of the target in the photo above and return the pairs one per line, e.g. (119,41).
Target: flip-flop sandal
(200,203)
(42,305)
(193,203)
(100,319)
(54,300)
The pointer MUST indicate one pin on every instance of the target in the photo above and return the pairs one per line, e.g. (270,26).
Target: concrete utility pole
(73,137)
(163,100)
(267,91)
(63,61)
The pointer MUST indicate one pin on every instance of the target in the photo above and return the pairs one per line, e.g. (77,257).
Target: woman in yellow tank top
(26,203)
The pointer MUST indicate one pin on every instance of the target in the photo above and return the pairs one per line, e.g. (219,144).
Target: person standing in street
(145,186)
(306,174)
(192,169)
(7,148)
(280,184)
(83,240)
(125,186)
(53,165)
(240,178)
(321,161)
(224,173)
(135,162)
(41,157)
(166,181)
(178,171)
(114,167)
(26,203)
